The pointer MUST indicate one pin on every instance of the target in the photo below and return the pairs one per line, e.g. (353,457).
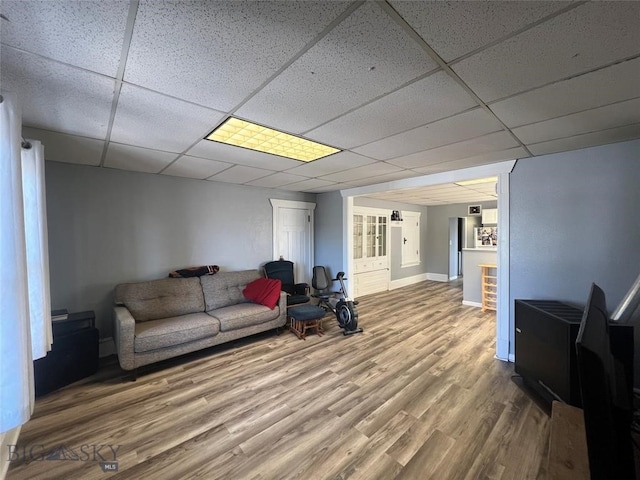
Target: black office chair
(297,293)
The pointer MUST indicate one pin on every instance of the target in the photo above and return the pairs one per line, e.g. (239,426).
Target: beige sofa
(165,318)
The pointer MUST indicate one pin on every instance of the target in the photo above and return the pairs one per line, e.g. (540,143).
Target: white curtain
(24,272)
(35,219)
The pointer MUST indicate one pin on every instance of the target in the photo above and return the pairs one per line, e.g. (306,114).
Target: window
(410,239)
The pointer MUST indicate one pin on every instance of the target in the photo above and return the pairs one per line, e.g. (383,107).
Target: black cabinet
(73,355)
(545,347)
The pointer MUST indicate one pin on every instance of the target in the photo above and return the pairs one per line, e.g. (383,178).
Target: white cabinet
(490,216)
(370,257)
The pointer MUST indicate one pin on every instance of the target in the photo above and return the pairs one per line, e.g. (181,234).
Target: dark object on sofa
(195,271)
(297,293)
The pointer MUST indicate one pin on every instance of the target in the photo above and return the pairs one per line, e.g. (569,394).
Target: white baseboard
(471,304)
(107,347)
(438,277)
(403,282)
(453,278)
(512,358)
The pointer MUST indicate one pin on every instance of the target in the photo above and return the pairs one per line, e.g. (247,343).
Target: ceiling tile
(453,129)
(608,85)
(309,184)
(277,180)
(333,163)
(216,53)
(366,171)
(620,134)
(440,24)
(582,39)
(57,97)
(60,147)
(475,160)
(365,56)
(487,144)
(194,167)
(330,188)
(424,101)
(84,34)
(388,177)
(126,157)
(603,118)
(149,119)
(241,156)
(240,174)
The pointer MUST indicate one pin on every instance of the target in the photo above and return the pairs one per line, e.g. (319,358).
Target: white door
(293,236)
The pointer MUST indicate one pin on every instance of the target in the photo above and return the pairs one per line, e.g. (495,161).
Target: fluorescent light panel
(477,181)
(241,133)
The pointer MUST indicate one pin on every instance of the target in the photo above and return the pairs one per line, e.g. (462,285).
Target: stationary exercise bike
(337,302)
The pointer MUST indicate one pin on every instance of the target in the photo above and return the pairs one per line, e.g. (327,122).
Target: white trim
(106,347)
(469,303)
(503,313)
(455,277)
(438,277)
(403,282)
(512,358)
(347,250)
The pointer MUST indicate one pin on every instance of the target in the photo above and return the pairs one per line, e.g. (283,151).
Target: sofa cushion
(168,332)
(243,315)
(167,297)
(225,288)
(265,291)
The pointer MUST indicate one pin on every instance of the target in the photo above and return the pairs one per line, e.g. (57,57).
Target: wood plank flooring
(418,395)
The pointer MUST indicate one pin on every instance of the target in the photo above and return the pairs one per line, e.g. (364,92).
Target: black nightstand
(73,355)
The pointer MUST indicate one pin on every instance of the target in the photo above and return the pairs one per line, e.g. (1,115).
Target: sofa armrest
(124,335)
(282,305)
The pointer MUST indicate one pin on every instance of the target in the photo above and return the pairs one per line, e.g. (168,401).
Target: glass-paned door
(358,237)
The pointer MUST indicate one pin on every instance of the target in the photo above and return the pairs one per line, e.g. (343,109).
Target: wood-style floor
(418,395)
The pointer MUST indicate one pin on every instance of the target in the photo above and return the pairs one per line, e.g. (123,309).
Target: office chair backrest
(320,280)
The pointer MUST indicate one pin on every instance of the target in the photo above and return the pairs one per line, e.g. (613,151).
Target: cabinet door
(358,236)
(381,238)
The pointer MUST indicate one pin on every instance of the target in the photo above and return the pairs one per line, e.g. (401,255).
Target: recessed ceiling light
(241,133)
(477,181)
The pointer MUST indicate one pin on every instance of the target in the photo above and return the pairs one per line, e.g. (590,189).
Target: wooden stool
(304,318)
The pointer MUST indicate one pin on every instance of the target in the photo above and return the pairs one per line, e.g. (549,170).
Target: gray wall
(110,226)
(395,237)
(329,238)
(438,233)
(573,221)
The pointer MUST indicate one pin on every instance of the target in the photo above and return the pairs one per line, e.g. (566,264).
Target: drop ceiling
(404,89)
